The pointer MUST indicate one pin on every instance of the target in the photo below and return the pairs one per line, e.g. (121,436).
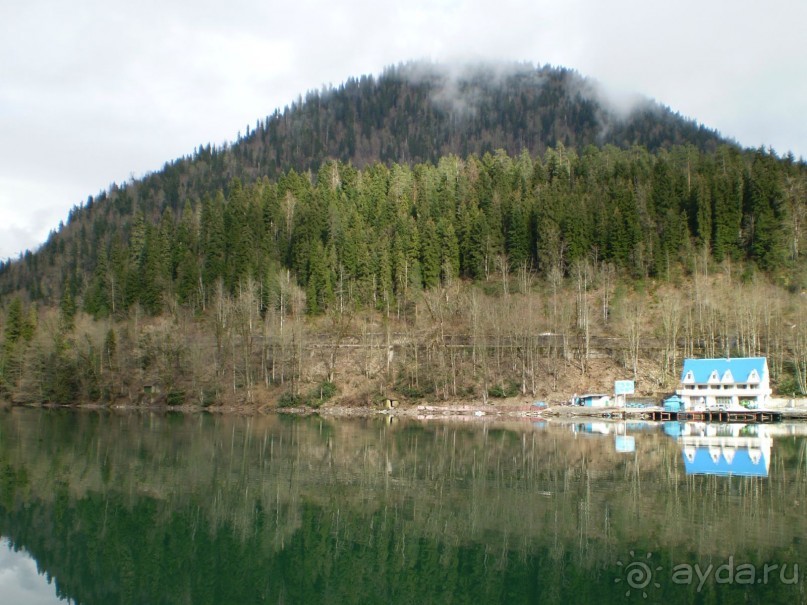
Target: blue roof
(673,403)
(740,368)
(741,465)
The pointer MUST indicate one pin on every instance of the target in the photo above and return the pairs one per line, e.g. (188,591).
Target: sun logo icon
(638,574)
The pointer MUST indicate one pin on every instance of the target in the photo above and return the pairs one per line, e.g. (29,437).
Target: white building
(725,384)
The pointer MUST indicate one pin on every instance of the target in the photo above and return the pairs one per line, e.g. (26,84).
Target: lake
(104,508)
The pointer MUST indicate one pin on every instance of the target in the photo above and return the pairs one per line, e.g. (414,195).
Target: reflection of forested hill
(152,509)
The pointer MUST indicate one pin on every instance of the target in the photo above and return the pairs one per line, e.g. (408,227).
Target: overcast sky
(20,582)
(94,92)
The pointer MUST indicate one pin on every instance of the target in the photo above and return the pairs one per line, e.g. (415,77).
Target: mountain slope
(469,235)
(419,113)
(410,114)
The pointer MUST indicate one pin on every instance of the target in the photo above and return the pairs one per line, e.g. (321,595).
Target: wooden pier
(755,416)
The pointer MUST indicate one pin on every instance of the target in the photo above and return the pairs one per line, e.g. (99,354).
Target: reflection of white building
(623,443)
(593,428)
(735,449)
(725,384)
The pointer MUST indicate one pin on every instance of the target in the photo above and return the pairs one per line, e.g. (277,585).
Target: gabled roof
(739,368)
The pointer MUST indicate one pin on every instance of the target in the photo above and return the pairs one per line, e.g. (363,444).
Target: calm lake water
(99,508)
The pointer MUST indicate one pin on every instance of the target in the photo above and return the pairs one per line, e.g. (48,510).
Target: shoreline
(790,410)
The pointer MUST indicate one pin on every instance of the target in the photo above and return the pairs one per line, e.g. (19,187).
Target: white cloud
(20,582)
(28,213)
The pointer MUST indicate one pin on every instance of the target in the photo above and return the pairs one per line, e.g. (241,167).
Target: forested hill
(410,114)
(477,211)
(420,113)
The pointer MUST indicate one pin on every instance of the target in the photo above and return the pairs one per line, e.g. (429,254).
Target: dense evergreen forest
(425,249)
(411,114)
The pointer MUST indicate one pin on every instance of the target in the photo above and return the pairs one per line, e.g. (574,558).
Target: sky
(95,92)
(20,582)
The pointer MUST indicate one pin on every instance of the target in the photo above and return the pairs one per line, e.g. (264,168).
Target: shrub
(320,394)
(327,390)
(289,400)
(175,397)
(208,397)
(511,390)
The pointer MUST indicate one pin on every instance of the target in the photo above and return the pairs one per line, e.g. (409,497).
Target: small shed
(592,400)
(674,403)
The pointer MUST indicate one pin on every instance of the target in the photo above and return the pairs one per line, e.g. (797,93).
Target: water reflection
(706,448)
(144,508)
(723,449)
(20,581)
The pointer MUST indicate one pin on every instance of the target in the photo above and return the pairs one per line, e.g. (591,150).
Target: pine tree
(67,311)
(518,235)
(167,243)
(478,248)
(319,291)
(150,273)
(449,250)
(383,277)
(188,279)
(14,322)
(727,210)
(97,300)
(765,214)
(429,254)
(137,236)
(702,205)
(270,216)
(213,239)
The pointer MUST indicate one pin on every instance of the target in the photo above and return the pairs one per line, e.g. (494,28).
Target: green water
(148,508)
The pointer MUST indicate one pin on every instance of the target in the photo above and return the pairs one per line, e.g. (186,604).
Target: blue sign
(625,444)
(623,387)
